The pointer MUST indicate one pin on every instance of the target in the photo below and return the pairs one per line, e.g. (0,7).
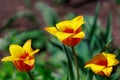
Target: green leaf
(55,43)
(49,15)
(99,77)
(90,75)
(94,26)
(70,16)
(82,51)
(108,29)
(15,37)
(55,48)
(70,66)
(114,76)
(88,24)
(106,46)
(38,41)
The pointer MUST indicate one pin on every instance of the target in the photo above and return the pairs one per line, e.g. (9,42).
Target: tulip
(102,64)
(22,57)
(69,32)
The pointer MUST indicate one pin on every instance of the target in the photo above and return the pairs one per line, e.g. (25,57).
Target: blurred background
(62,7)
(24,19)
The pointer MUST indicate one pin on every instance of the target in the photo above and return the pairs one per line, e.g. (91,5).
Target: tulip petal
(95,68)
(107,71)
(29,62)
(79,35)
(16,50)
(10,58)
(77,22)
(77,25)
(112,60)
(64,25)
(62,36)
(34,52)
(99,59)
(27,46)
(51,30)
(78,18)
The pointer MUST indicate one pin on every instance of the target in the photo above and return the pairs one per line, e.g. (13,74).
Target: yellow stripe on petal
(79,35)
(62,26)
(107,71)
(10,58)
(34,52)
(112,60)
(27,46)
(29,62)
(77,25)
(78,18)
(51,30)
(77,22)
(16,50)
(95,68)
(62,36)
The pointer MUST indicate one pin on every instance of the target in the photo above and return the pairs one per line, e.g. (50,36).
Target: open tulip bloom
(102,63)
(69,32)
(22,57)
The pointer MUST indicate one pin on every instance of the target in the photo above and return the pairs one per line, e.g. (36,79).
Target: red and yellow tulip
(69,32)
(22,57)
(102,63)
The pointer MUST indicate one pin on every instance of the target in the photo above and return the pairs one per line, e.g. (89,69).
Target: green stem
(30,75)
(76,62)
(106,78)
(70,68)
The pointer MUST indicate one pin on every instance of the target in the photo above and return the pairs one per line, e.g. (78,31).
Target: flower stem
(69,65)
(76,62)
(106,78)
(30,75)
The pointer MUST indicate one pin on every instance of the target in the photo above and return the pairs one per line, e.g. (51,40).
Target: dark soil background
(8,8)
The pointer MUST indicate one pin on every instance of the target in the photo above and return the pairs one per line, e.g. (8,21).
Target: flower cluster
(70,33)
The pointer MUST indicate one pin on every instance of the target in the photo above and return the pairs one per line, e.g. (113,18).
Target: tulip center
(26,56)
(78,30)
(68,30)
(102,63)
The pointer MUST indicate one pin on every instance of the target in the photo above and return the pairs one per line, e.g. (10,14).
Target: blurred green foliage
(118,1)
(51,62)
(49,15)
(17,37)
